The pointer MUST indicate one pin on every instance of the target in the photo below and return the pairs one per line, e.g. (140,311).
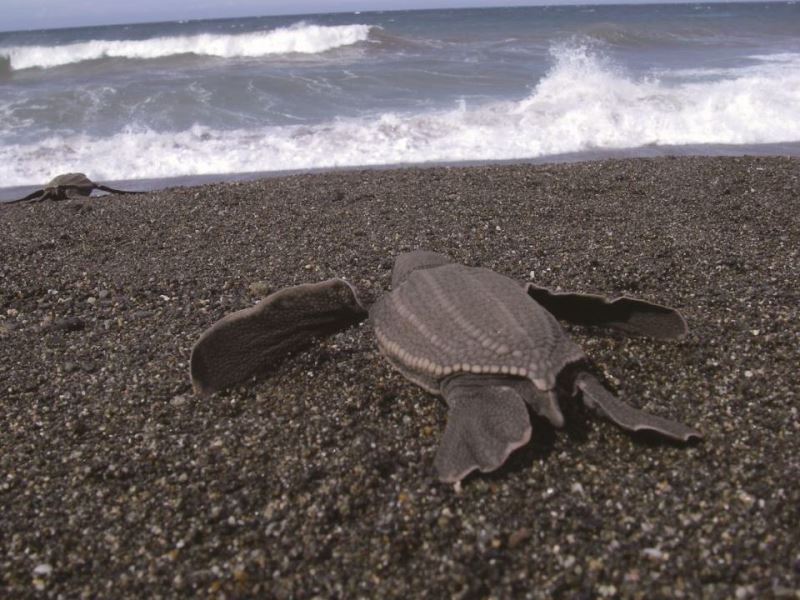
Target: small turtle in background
(488,345)
(66,186)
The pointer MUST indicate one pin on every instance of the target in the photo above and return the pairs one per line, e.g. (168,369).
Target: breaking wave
(299,38)
(631,37)
(583,103)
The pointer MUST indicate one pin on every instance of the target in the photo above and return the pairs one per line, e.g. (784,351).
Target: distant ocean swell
(299,38)
(583,103)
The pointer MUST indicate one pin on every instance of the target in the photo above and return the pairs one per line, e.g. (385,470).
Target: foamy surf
(583,103)
(411,87)
(301,38)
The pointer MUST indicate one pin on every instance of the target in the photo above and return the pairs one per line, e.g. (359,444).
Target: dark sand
(115,480)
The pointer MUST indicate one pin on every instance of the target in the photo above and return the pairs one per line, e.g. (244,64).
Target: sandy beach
(116,480)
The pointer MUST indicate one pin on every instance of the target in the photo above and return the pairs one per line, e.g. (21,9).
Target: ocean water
(221,97)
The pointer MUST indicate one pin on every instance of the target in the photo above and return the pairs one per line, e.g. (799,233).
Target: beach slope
(317,480)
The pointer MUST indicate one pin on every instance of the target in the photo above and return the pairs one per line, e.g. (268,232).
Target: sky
(48,14)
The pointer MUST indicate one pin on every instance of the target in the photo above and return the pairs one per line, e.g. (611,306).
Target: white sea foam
(583,103)
(782,57)
(300,38)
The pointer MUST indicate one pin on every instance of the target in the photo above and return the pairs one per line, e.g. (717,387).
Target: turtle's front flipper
(485,424)
(32,196)
(250,340)
(630,315)
(601,401)
(111,190)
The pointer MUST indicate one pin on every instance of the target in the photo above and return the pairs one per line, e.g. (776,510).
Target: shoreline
(318,479)
(153,184)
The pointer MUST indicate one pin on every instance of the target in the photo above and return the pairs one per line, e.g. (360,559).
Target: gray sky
(44,14)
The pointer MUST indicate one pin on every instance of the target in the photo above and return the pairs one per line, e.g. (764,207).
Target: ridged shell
(454,318)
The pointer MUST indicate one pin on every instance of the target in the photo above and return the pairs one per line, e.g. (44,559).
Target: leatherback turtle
(64,186)
(485,343)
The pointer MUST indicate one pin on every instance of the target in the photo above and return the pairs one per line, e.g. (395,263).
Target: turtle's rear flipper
(485,424)
(248,341)
(598,399)
(630,315)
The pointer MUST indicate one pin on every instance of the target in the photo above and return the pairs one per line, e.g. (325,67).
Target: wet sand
(116,480)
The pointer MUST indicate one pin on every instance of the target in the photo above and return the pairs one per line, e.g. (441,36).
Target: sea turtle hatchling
(485,343)
(66,186)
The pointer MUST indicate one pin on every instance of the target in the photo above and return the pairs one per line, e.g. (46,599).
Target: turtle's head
(407,262)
